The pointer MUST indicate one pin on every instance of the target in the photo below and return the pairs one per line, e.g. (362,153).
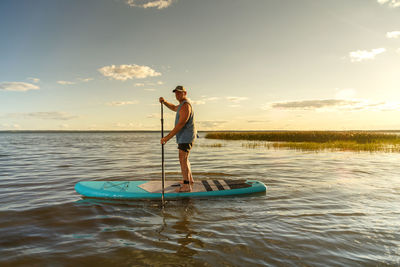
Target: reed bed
(316,140)
(212,145)
(330,146)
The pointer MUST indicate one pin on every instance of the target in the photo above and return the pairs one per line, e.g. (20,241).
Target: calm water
(320,209)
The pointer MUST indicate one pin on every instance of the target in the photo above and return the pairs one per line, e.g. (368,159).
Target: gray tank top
(188,133)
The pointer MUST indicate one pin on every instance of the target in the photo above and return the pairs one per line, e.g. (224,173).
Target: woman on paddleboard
(185,132)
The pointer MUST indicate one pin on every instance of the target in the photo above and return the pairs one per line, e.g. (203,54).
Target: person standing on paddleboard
(185,132)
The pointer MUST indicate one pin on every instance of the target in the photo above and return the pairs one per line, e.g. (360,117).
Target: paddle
(162,157)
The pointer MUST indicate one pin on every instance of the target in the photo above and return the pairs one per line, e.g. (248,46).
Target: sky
(246,64)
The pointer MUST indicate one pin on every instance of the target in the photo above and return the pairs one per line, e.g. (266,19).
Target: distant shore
(386,141)
(200,131)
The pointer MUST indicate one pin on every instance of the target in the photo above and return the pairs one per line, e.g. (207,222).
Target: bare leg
(190,171)
(186,172)
(190,177)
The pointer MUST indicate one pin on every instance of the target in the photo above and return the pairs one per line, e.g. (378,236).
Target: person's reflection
(183,227)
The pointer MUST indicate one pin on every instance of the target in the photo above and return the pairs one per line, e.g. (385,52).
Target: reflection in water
(182,226)
(328,209)
(176,226)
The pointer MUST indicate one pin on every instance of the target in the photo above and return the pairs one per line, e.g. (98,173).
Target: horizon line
(157,131)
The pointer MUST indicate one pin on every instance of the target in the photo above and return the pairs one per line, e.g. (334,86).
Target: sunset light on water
(299,98)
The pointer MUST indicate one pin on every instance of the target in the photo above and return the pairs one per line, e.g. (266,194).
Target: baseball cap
(179,88)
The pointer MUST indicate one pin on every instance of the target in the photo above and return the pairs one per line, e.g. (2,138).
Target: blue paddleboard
(152,189)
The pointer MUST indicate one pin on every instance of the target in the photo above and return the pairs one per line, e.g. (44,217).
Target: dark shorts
(185,146)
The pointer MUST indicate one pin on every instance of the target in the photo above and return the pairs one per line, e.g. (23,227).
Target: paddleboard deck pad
(153,189)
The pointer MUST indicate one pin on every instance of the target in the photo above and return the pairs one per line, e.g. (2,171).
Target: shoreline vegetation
(316,140)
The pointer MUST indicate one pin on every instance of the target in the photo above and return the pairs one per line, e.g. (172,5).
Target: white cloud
(122,103)
(18,86)
(65,82)
(44,115)
(150,89)
(35,80)
(208,124)
(159,4)
(393,35)
(334,104)
(348,93)
(310,104)
(10,126)
(203,100)
(125,72)
(258,121)
(86,80)
(236,99)
(398,51)
(149,84)
(388,106)
(198,102)
(360,55)
(139,84)
(391,3)
(127,126)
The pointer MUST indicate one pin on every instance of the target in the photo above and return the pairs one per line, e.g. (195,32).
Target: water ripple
(320,209)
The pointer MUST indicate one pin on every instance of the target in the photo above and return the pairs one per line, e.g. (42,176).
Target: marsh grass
(331,146)
(316,140)
(212,145)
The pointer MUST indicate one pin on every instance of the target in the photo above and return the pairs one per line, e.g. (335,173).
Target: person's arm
(168,105)
(184,115)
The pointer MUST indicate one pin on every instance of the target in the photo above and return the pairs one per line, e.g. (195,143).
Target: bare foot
(184,188)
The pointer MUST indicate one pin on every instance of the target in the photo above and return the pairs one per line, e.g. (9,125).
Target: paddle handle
(162,154)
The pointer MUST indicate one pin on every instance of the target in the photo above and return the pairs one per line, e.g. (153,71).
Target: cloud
(150,89)
(212,98)
(35,80)
(197,102)
(125,72)
(65,82)
(398,51)
(17,86)
(348,93)
(310,104)
(236,99)
(258,121)
(334,104)
(159,4)
(360,55)
(122,103)
(10,126)
(43,115)
(149,84)
(391,3)
(126,125)
(86,80)
(211,123)
(203,100)
(393,35)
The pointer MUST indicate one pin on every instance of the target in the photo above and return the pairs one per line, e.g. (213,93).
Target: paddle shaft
(162,153)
